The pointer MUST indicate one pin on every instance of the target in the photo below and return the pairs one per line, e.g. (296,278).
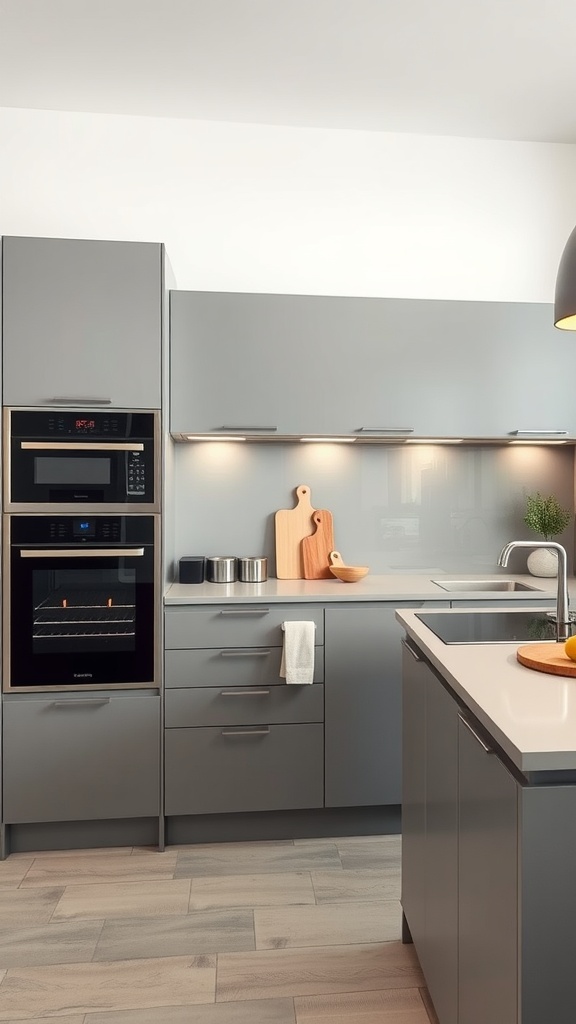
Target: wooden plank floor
(303,932)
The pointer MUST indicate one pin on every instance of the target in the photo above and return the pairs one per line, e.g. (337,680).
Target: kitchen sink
(472,586)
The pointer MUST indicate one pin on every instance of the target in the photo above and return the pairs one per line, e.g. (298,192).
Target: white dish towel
(297,664)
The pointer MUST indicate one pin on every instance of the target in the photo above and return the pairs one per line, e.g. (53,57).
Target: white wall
(262,208)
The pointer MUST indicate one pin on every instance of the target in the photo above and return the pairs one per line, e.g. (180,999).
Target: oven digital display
(84,527)
(85,425)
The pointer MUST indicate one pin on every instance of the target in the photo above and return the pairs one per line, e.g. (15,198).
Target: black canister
(191,569)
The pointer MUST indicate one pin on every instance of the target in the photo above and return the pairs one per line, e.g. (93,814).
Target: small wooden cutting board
(291,526)
(547,658)
(317,547)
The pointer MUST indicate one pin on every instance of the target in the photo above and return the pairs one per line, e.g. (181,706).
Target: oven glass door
(81,616)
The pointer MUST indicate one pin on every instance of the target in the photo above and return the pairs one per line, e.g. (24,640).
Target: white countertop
(531,715)
(393,587)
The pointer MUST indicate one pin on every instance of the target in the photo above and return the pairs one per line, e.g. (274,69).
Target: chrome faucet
(562,601)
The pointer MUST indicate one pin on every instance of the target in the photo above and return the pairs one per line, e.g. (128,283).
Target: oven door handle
(76,446)
(82,553)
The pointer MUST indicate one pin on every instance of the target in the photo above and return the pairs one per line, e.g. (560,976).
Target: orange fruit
(570,648)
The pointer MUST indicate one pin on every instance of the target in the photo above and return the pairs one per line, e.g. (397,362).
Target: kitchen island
(489,829)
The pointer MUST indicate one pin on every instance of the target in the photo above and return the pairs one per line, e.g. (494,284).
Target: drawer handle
(246,732)
(244,693)
(96,703)
(475,735)
(385,430)
(64,400)
(260,653)
(267,430)
(244,611)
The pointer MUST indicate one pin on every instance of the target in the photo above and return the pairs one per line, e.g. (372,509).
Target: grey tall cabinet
(82,322)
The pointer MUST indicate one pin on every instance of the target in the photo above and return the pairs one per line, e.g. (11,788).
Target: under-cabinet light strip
(329,440)
(214,437)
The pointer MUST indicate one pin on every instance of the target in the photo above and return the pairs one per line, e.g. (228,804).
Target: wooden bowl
(349,573)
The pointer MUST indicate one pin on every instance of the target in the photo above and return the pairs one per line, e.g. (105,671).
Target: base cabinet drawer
(223,770)
(236,625)
(231,666)
(240,705)
(81,759)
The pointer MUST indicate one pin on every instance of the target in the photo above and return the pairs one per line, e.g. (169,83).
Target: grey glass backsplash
(406,508)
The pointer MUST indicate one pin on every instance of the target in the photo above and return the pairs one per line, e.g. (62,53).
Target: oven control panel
(72,530)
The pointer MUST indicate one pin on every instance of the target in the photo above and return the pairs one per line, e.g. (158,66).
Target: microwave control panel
(43,424)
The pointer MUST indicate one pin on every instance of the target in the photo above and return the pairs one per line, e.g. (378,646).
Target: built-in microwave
(91,459)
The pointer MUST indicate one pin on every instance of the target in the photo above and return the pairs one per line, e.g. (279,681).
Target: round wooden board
(547,658)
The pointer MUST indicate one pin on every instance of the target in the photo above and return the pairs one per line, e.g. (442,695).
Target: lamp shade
(565,298)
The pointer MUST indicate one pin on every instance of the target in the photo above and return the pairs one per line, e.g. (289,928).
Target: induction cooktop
(491,627)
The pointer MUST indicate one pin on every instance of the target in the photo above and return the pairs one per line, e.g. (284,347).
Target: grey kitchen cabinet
(363,695)
(459,854)
(488,881)
(81,757)
(243,768)
(405,363)
(430,829)
(82,322)
(487,884)
(235,625)
(238,738)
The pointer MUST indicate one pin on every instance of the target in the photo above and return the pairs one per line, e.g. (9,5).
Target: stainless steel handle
(88,703)
(260,653)
(540,432)
(385,430)
(475,735)
(246,732)
(244,693)
(90,446)
(60,400)
(410,649)
(82,553)
(267,430)
(244,611)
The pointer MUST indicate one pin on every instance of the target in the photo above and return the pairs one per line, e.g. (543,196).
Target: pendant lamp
(565,298)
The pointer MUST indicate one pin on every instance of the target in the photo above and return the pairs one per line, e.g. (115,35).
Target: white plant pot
(543,562)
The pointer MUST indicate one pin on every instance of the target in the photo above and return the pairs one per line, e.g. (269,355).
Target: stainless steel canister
(252,569)
(221,568)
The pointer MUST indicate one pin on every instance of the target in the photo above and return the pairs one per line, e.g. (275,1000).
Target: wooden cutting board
(316,548)
(292,525)
(547,658)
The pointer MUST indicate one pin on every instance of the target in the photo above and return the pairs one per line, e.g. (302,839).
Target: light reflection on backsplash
(401,508)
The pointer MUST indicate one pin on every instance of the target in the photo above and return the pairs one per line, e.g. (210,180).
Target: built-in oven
(81,602)
(89,459)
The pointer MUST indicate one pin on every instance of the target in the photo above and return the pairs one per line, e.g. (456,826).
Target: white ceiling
(502,69)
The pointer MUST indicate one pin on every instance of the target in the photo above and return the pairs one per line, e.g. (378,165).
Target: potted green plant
(547,518)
